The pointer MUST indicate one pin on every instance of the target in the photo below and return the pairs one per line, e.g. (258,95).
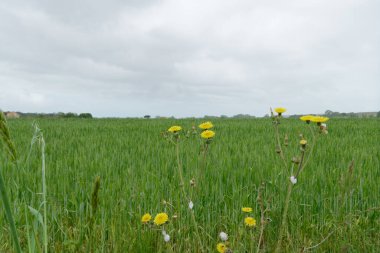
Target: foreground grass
(137,170)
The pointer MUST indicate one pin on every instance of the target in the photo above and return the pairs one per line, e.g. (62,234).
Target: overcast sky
(189,58)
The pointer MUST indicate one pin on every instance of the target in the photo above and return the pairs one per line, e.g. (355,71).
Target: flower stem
(287,200)
(283,227)
(312,147)
(279,144)
(262,218)
(185,195)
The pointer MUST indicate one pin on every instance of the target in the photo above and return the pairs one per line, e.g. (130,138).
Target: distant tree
(378,114)
(71,115)
(242,116)
(352,115)
(60,114)
(85,115)
(146,116)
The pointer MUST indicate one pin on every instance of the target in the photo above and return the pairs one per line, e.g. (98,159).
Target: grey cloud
(189,58)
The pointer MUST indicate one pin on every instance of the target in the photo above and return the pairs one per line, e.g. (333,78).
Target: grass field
(138,173)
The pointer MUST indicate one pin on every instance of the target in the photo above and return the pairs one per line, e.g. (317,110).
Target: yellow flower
(206,125)
(307,118)
(146,218)
(246,209)
(221,247)
(161,218)
(280,110)
(303,142)
(250,222)
(174,129)
(207,134)
(319,119)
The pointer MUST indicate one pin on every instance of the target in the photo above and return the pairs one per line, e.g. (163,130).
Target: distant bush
(85,115)
(70,115)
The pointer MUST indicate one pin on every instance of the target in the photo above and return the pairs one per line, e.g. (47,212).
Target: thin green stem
(185,195)
(283,227)
(8,214)
(44,192)
(301,166)
(262,218)
(279,144)
(179,166)
(311,147)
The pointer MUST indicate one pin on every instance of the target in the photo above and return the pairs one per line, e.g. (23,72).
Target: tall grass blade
(8,214)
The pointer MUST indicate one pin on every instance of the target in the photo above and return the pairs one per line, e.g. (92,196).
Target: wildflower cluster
(207,134)
(298,162)
(321,122)
(248,220)
(222,247)
(173,135)
(159,220)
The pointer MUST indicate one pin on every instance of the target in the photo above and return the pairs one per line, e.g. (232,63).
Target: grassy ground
(138,173)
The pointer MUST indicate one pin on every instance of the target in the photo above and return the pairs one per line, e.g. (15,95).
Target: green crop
(134,165)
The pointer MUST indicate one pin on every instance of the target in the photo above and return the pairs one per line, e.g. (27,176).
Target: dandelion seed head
(191,205)
(223,236)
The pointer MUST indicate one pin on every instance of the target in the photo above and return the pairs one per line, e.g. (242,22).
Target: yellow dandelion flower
(174,129)
(246,209)
(207,134)
(303,142)
(250,222)
(280,110)
(319,119)
(221,247)
(146,218)
(307,118)
(161,218)
(206,125)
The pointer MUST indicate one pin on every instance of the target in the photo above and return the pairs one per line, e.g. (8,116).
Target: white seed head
(223,236)
(191,204)
(166,238)
(293,180)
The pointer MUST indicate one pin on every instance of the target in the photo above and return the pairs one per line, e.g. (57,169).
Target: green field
(138,173)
